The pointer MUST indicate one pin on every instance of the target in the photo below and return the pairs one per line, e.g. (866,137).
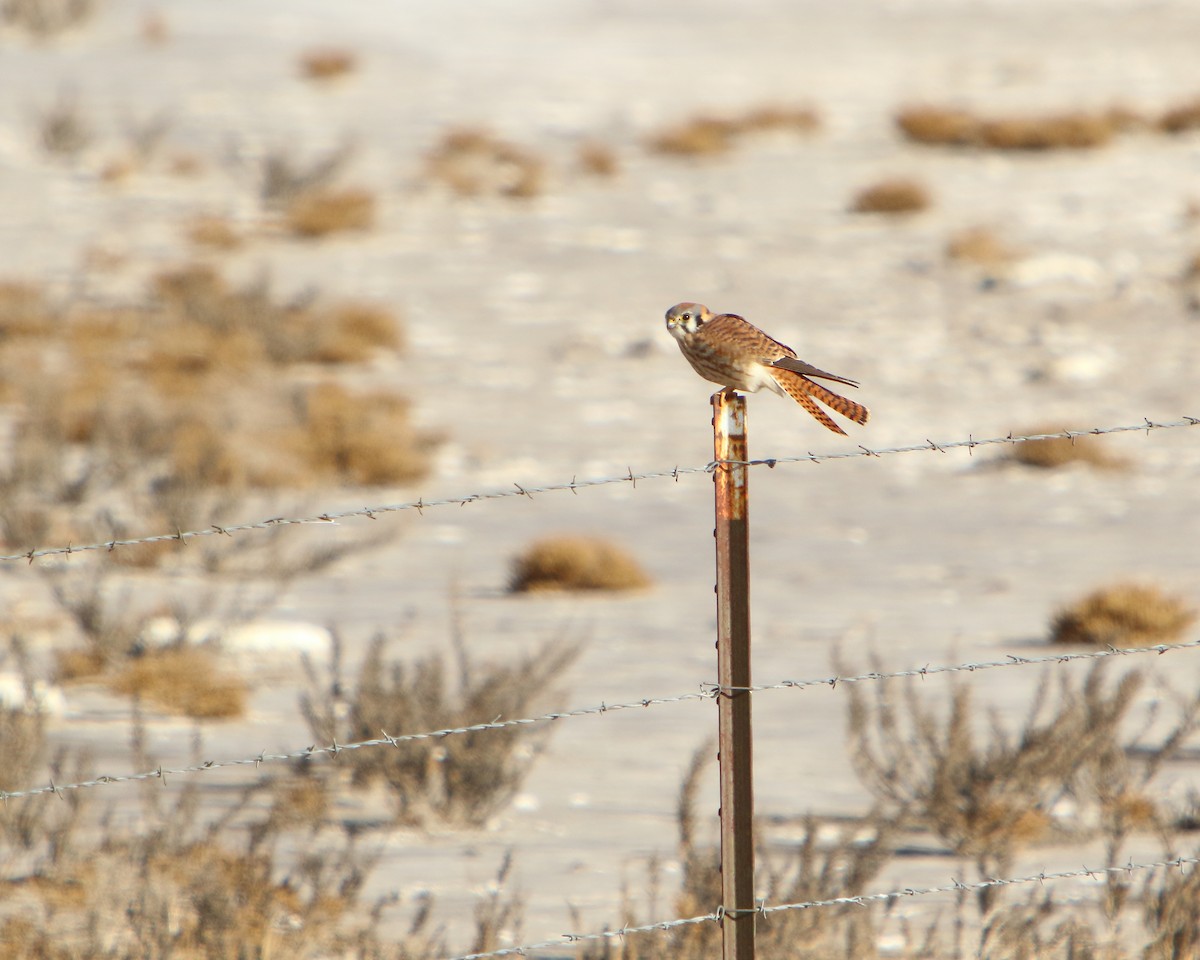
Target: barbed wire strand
(957,886)
(575,485)
(710,691)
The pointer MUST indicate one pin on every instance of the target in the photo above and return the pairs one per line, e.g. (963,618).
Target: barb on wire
(575,485)
(1013,660)
(385,739)
(955,886)
(710,691)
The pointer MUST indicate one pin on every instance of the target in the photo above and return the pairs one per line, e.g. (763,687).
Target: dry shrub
(1063,131)
(988,800)
(812,869)
(979,245)
(319,212)
(463,779)
(575,563)
(474,162)
(897,195)
(24,311)
(1123,615)
(703,135)
(1171,905)
(170,885)
(699,136)
(327,63)
(215,233)
(956,126)
(353,332)
(946,126)
(597,159)
(46,18)
(366,439)
(63,129)
(1053,452)
(801,119)
(284,178)
(1181,118)
(183,680)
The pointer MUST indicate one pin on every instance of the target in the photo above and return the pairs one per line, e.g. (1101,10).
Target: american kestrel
(730,350)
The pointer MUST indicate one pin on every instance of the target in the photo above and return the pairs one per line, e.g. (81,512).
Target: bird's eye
(685,316)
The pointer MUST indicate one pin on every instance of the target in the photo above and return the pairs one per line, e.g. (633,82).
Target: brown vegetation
(214,233)
(1123,615)
(327,63)
(956,126)
(362,439)
(183,680)
(980,246)
(575,563)
(63,129)
(897,195)
(1182,117)
(597,159)
(318,212)
(473,162)
(171,407)
(46,18)
(707,134)
(460,780)
(1053,452)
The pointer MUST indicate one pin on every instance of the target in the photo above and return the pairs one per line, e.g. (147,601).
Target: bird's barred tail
(805,392)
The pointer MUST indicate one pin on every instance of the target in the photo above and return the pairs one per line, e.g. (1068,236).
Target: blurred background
(265,260)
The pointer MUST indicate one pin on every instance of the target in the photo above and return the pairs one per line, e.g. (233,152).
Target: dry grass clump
(365,439)
(183,680)
(987,800)
(1181,118)
(24,311)
(354,332)
(214,233)
(801,119)
(597,159)
(459,780)
(704,135)
(63,129)
(946,126)
(165,410)
(575,563)
(1123,615)
(46,18)
(319,212)
(897,195)
(696,137)
(327,63)
(1063,131)
(956,126)
(473,162)
(1054,452)
(981,246)
(285,178)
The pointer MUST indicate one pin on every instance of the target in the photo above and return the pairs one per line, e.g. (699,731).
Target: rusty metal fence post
(735,744)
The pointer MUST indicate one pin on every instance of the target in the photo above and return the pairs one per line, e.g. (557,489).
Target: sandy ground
(538,348)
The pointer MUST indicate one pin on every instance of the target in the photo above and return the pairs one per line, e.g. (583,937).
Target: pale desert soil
(537,347)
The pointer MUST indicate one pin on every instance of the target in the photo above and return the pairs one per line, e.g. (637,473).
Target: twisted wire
(575,485)
(708,691)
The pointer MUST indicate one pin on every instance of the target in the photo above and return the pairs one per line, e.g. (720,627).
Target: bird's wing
(796,365)
(741,332)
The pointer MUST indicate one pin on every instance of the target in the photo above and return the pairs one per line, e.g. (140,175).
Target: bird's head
(686,318)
